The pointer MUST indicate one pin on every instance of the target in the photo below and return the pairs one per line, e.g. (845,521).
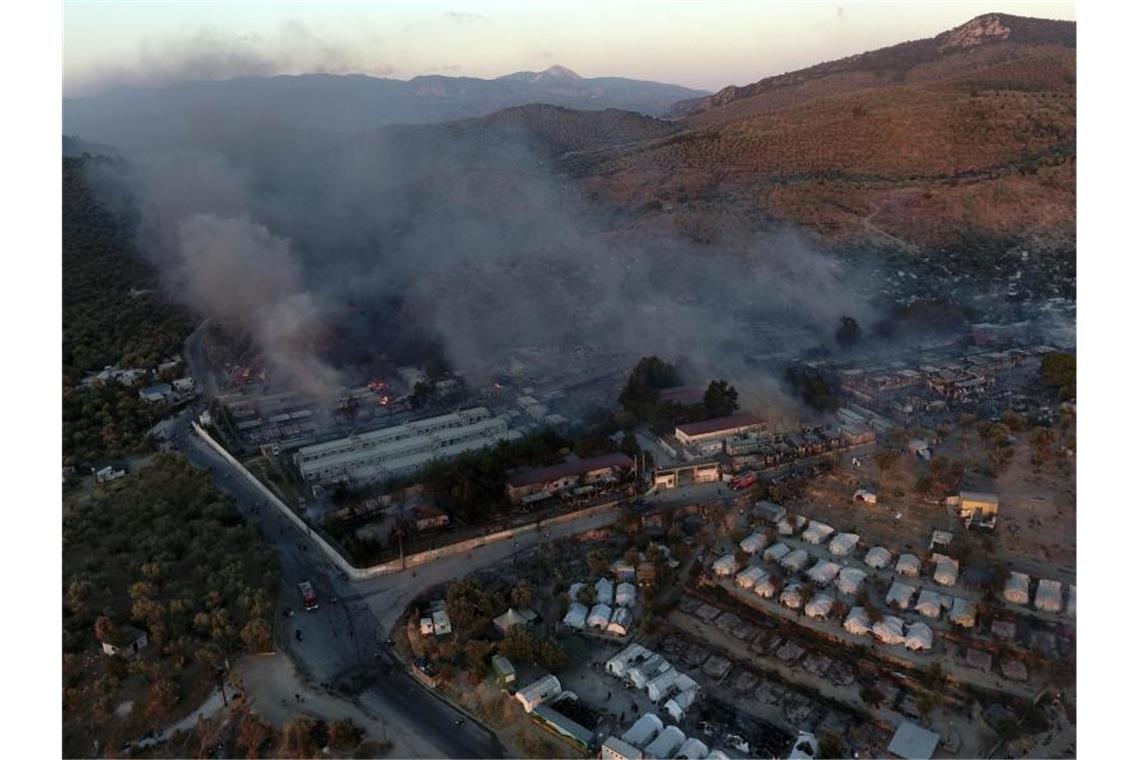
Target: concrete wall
(412,560)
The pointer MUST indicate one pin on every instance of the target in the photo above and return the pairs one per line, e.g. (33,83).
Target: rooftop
(719,424)
(913,742)
(569,469)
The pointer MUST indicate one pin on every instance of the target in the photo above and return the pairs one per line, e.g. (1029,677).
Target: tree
(552,655)
(522,595)
(253,735)
(344,734)
(1059,372)
(830,745)
(871,695)
(885,459)
(641,390)
(104,628)
(257,636)
(720,399)
(161,698)
(598,563)
(298,740)
(519,644)
(848,333)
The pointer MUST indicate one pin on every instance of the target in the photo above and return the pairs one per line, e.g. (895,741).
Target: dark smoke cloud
(468,237)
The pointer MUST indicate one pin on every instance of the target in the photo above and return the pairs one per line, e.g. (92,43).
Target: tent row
(649,737)
(890,630)
(650,672)
(624,594)
(1049,597)
(616,621)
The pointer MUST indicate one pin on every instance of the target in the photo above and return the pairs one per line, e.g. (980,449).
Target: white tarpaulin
(776,552)
(850,579)
(621,622)
(817,532)
(766,586)
(919,636)
(754,543)
(877,557)
(1017,588)
(795,561)
(726,565)
(819,607)
(843,544)
(576,616)
(823,572)
(908,565)
(963,613)
(748,577)
(1048,597)
(604,589)
(889,630)
(791,597)
(945,570)
(857,621)
(899,594)
(929,603)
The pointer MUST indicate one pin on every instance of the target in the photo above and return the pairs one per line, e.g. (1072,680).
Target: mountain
(962,140)
(198,112)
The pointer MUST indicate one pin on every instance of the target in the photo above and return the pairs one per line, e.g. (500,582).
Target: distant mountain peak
(560,71)
(984,28)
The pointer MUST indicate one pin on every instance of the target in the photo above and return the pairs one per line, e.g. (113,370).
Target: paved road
(345,639)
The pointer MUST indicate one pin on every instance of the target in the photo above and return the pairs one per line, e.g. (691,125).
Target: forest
(163,552)
(113,315)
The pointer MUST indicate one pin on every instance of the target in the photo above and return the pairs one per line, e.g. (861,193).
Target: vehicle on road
(743,481)
(308,596)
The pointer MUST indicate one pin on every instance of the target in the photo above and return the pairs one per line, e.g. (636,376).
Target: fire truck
(308,596)
(744,480)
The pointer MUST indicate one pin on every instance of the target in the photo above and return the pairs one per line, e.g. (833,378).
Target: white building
(718,430)
(666,743)
(620,662)
(643,730)
(538,692)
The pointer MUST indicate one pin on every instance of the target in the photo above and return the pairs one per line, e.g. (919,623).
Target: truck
(744,480)
(308,596)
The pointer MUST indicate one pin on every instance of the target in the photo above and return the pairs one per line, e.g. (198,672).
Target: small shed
(126,641)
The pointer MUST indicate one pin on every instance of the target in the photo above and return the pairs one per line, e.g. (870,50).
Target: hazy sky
(700,44)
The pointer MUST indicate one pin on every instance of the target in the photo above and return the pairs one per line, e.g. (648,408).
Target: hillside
(934,143)
(205,112)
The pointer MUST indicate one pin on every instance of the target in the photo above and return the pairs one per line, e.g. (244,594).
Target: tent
(776,552)
(823,572)
(692,749)
(843,544)
(820,606)
(900,594)
(666,743)
(574,589)
(754,543)
(605,589)
(766,586)
(621,622)
(857,621)
(538,692)
(726,565)
(748,577)
(889,630)
(660,686)
(648,670)
(945,570)
(919,637)
(621,662)
(1017,588)
(795,560)
(877,557)
(929,603)
(1048,597)
(642,731)
(963,613)
(509,620)
(908,565)
(789,525)
(599,616)
(576,616)
(792,596)
(626,594)
(680,701)
(850,579)
(817,532)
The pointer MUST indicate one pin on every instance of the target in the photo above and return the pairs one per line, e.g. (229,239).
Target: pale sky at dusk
(699,44)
